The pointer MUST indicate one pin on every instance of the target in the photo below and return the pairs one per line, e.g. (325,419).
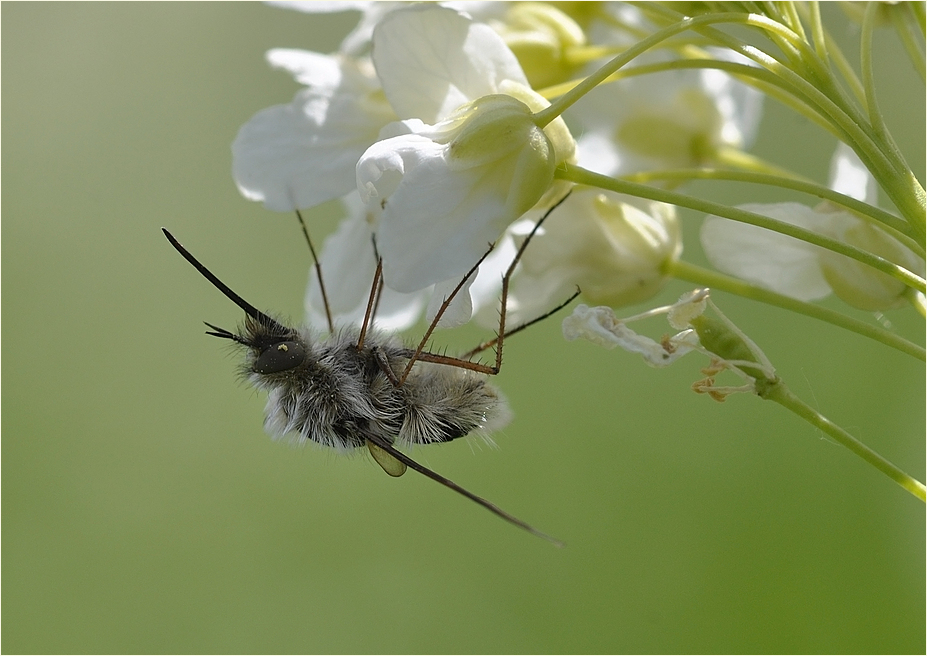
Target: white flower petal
(348,267)
(431,60)
(304,153)
(311,69)
(460,309)
(442,229)
(769,259)
(433,228)
(849,175)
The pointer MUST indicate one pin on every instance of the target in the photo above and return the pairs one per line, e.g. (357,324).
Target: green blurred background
(144,510)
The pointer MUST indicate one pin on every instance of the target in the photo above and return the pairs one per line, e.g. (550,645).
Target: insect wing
(389,464)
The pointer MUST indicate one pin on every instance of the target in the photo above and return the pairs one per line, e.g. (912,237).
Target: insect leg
(492,342)
(491,507)
(372,301)
(318,272)
(500,334)
(439,314)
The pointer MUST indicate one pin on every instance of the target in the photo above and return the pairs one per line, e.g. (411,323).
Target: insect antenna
(318,272)
(249,309)
(446,482)
(226,334)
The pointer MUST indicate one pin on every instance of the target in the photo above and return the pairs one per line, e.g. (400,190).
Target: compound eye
(280,357)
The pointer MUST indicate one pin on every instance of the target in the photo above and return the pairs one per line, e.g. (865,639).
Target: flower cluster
(447,130)
(429,123)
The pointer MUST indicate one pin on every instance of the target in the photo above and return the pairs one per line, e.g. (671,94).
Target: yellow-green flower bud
(498,133)
(540,36)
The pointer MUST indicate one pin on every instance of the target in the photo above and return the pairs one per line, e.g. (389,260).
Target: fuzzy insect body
(325,390)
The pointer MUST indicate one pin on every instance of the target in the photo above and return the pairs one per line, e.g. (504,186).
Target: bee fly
(361,387)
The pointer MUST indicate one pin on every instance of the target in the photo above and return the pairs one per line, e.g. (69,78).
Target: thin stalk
(891,171)
(910,42)
(719,281)
(545,116)
(818,36)
(865,56)
(899,229)
(783,396)
(759,78)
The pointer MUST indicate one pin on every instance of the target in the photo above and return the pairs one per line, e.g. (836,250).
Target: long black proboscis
(249,309)
(493,508)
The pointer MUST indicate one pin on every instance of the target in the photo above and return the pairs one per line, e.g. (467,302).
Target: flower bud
(858,284)
(615,252)
(539,36)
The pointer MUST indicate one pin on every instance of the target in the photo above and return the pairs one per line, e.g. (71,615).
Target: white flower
(671,119)
(806,272)
(304,153)
(428,62)
(769,259)
(616,252)
(468,160)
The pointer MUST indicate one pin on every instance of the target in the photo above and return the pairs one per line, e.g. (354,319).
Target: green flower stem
(801,57)
(719,281)
(897,227)
(875,115)
(909,41)
(917,300)
(818,36)
(790,17)
(834,53)
(583,176)
(740,161)
(579,55)
(757,77)
(545,116)
(904,190)
(892,173)
(779,393)
(865,56)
